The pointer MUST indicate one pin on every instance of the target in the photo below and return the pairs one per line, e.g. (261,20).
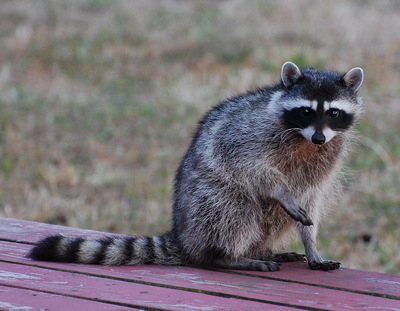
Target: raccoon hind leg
(288,257)
(247,264)
(282,257)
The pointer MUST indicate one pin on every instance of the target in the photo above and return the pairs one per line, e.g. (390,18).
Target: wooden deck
(30,285)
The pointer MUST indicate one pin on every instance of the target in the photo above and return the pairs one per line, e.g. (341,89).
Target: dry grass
(100,98)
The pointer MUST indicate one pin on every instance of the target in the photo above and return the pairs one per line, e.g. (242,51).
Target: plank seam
(87,299)
(206,292)
(374,294)
(387,296)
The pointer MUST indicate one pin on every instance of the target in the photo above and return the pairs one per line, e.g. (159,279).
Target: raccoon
(261,169)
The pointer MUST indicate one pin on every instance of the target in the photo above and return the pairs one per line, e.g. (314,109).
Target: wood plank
(220,282)
(31,232)
(118,291)
(355,280)
(29,300)
(362,281)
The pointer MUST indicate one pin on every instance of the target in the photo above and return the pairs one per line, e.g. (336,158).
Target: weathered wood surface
(31,285)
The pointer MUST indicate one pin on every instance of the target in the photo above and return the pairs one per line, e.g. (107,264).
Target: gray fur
(243,167)
(247,185)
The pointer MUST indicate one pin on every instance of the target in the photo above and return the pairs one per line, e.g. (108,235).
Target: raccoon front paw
(325,265)
(301,215)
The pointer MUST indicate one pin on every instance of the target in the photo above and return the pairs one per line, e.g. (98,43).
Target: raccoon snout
(318,138)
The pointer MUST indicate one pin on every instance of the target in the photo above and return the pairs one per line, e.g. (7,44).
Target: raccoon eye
(333,113)
(306,111)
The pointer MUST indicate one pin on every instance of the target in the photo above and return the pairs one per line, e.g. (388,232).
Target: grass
(99,100)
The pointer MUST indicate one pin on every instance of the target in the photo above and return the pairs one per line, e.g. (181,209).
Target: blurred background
(99,100)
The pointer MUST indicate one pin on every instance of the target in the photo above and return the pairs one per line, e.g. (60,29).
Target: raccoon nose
(318,138)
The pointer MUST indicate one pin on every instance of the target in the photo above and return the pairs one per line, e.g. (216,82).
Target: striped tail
(109,250)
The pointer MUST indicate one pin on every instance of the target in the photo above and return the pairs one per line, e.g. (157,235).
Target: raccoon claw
(270,266)
(305,220)
(301,215)
(325,265)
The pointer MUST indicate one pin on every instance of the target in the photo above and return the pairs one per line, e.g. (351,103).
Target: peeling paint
(376,280)
(10,276)
(11,307)
(59,282)
(186,306)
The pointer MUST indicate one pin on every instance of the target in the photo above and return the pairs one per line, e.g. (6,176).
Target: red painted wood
(371,282)
(357,280)
(117,291)
(220,282)
(29,300)
(28,231)
(255,285)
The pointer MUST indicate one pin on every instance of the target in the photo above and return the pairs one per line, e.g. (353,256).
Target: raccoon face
(319,104)
(319,121)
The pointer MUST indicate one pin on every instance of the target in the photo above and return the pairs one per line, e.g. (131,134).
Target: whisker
(288,134)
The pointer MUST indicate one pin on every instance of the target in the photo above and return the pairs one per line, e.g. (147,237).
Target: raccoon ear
(354,78)
(290,74)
